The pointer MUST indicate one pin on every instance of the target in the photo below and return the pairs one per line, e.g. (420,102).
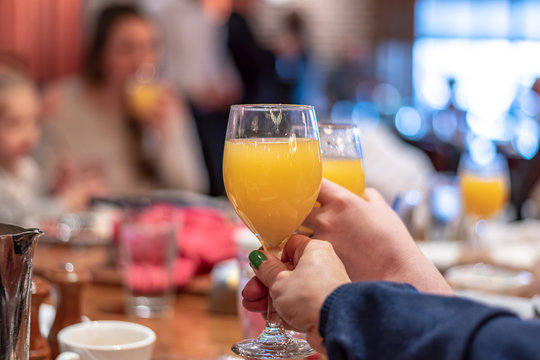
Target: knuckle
(341,198)
(279,285)
(322,224)
(323,245)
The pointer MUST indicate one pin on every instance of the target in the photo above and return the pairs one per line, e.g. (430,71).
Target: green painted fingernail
(256,258)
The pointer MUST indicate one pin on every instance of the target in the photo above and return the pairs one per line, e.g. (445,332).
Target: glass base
(149,306)
(273,343)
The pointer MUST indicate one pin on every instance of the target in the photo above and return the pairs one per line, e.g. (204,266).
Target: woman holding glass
(118,119)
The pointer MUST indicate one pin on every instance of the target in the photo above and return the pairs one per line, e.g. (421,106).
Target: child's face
(19,128)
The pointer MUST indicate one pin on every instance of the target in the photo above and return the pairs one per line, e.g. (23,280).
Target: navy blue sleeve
(381,320)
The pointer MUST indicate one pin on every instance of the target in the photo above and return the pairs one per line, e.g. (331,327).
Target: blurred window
(490,48)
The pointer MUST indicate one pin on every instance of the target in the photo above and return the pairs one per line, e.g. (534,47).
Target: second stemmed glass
(341,150)
(272,175)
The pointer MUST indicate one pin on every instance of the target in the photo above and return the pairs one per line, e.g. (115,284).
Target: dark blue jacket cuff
(381,320)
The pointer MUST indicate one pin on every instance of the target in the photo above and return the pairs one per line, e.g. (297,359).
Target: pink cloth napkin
(205,237)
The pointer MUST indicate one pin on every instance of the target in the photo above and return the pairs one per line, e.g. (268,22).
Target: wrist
(327,304)
(420,273)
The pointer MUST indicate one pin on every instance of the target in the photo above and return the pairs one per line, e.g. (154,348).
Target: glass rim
(338,125)
(266,107)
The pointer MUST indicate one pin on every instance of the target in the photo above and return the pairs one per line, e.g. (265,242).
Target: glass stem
(476,228)
(272,318)
(274,335)
(273,332)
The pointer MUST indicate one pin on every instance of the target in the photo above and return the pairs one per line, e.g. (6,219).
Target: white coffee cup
(106,340)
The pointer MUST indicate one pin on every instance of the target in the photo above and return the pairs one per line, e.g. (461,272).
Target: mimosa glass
(143,92)
(484,192)
(341,151)
(272,175)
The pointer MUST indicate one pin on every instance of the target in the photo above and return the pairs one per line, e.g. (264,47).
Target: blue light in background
(495,127)
(413,198)
(342,111)
(445,202)
(366,113)
(528,103)
(434,91)
(481,149)
(386,98)
(409,123)
(526,138)
(444,124)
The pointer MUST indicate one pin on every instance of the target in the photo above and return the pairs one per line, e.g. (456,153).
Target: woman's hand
(371,240)
(166,108)
(80,184)
(298,286)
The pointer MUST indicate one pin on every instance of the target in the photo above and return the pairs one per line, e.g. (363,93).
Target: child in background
(22,197)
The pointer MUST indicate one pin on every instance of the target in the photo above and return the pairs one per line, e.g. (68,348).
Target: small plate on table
(488,278)
(523,307)
(442,254)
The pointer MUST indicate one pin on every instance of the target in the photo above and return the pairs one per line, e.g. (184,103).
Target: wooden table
(193,332)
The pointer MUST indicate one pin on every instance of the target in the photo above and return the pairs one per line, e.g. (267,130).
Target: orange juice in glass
(272,181)
(341,150)
(483,197)
(484,191)
(143,92)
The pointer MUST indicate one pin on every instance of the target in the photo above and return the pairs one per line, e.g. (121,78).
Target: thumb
(266,267)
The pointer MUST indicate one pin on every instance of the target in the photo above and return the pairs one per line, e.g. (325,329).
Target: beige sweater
(92,137)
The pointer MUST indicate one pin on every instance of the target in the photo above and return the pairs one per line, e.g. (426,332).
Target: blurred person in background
(199,67)
(255,64)
(525,172)
(355,66)
(401,172)
(222,65)
(301,82)
(138,138)
(23,196)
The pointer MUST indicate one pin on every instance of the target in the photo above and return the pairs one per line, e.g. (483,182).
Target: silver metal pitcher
(16,257)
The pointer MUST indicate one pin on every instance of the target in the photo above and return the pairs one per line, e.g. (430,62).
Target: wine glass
(144,95)
(484,192)
(341,151)
(143,92)
(272,175)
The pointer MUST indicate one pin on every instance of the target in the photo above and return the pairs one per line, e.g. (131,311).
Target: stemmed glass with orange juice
(143,92)
(272,175)
(341,151)
(484,191)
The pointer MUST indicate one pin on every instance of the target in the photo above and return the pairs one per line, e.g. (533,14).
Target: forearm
(379,320)
(403,264)
(422,274)
(181,164)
